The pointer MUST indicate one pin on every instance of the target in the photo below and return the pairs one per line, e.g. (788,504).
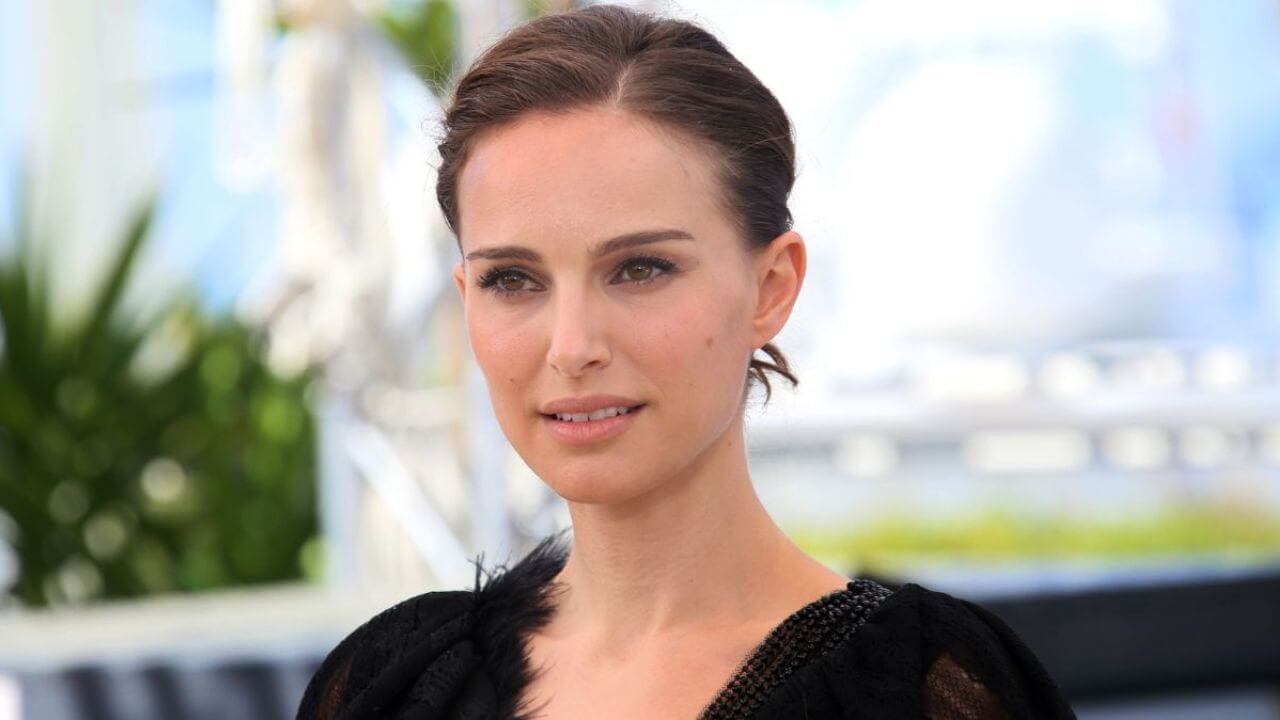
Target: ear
(780,272)
(460,279)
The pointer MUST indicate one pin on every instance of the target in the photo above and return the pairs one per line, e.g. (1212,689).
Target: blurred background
(1039,341)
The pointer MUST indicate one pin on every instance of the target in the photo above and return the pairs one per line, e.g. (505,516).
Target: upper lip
(586,404)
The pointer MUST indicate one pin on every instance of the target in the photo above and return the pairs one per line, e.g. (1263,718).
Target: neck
(697,552)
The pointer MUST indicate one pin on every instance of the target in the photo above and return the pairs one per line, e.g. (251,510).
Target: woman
(618,186)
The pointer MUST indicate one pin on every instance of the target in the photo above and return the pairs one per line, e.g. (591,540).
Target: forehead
(582,175)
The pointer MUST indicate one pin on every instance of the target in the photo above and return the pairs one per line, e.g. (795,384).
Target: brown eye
(642,270)
(639,272)
(506,283)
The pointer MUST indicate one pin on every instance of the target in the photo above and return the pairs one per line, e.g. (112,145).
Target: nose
(578,341)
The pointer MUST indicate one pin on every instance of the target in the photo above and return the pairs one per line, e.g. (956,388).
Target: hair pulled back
(668,71)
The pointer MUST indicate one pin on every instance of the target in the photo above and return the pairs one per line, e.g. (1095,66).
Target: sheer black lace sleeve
(324,693)
(953,693)
(922,654)
(978,668)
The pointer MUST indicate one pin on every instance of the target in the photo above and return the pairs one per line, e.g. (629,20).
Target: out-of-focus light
(68,501)
(289,348)
(972,378)
(1155,370)
(1027,451)
(1269,445)
(164,480)
(1204,447)
(1222,368)
(105,535)
(866,455)
(1137,448)
(242,105)
(162,351)
(10,698)
(1068,375)
(8,558)
(77,581)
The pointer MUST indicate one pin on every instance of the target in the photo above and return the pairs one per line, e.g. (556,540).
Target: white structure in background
(364,259)
(90,151)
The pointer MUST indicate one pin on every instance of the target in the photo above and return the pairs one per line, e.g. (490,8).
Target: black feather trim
(510,603)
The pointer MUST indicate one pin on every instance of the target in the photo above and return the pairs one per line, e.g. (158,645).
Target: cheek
(698,344)
(502,348)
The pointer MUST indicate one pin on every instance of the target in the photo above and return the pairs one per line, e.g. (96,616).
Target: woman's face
(596,262)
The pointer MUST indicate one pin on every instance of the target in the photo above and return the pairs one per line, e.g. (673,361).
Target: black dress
(862,652)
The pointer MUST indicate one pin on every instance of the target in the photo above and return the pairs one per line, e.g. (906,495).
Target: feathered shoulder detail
(504,588)
(452,654)
(510,603)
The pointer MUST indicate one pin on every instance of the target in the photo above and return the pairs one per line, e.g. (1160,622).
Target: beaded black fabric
(460,655)
(803,637)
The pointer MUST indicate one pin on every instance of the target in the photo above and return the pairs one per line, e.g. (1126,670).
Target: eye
(649,268)
(637,270)
(504,281)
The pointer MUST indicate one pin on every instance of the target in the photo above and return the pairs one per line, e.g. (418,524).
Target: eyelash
(490,279)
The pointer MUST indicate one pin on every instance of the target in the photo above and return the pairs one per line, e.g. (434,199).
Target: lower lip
(591,431)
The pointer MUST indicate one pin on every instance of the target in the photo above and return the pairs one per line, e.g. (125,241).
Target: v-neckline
(543,590)
(765,643)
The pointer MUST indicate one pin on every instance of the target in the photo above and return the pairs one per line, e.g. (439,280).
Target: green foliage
(426,33)
(1240,533)
(537,8)
(145,457)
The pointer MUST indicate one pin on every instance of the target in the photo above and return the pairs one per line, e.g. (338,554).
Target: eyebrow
(612,245)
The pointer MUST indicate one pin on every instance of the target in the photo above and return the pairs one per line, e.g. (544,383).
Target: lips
(596,415)
(585,404)
(587,432)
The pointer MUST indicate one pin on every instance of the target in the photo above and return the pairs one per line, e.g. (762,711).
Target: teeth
(597,415)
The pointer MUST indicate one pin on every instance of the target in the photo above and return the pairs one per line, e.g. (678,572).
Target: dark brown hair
(670,72)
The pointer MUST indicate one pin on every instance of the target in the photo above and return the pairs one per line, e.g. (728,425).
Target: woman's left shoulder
(923,653)
(976,665)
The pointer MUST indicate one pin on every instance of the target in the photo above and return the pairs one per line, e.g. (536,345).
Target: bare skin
(674,674)
(676,571)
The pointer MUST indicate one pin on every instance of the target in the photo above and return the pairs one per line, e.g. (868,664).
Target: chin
(595,487)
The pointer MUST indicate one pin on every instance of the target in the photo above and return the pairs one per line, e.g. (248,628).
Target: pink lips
(586,404)
(591,431)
